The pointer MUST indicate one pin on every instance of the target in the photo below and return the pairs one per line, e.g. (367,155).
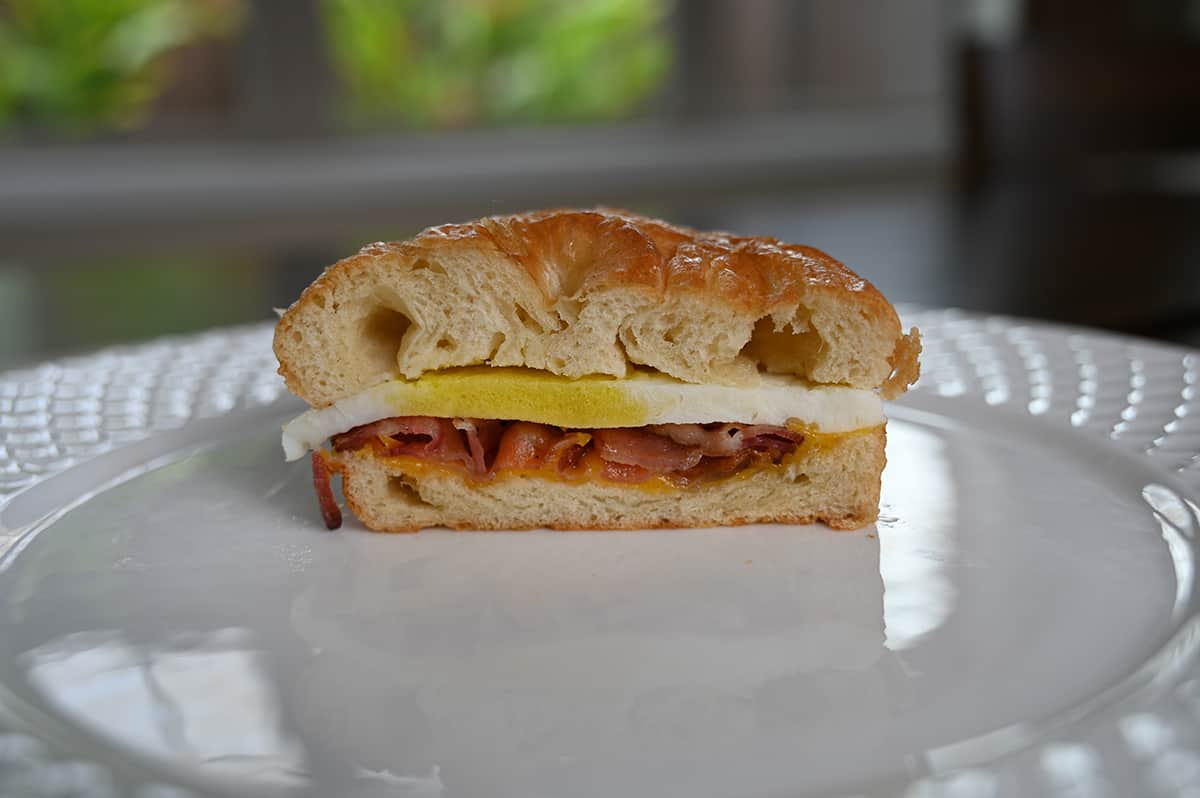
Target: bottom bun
(836,483)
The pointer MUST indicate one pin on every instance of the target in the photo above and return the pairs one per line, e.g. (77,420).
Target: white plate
(1022,620)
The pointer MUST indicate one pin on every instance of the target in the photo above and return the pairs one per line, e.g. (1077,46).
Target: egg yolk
(593,401)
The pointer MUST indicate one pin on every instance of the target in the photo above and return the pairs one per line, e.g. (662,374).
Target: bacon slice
(567,454)
(640,447)
(483,438)
(524,445)
(400,432)
(778,442)
(417,436)
(685,453)
(714,440)
(624,472)
(724,440)
(711,468)
(329,509)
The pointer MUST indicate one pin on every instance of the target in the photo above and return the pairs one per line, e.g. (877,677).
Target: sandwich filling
(640,400)
(647,430)
(675,455)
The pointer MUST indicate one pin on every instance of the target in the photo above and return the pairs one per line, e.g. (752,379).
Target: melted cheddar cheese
(592,467)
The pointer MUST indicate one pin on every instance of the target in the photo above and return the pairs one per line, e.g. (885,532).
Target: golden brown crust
(843,523)
(906,365)
(564,250)
(657,277)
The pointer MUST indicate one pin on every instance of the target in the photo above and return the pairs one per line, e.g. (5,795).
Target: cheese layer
(519,394)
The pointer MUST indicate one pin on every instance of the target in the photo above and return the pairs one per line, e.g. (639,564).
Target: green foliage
(79,66)
(459,62)
(76,66)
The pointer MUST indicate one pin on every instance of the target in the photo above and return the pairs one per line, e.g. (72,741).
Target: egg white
(588,403)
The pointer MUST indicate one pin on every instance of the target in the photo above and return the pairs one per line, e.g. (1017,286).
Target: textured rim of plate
(1143,398)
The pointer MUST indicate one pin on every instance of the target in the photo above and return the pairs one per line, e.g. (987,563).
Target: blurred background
(171,165)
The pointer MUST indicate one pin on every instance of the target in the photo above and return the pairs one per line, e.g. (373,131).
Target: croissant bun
(590,292)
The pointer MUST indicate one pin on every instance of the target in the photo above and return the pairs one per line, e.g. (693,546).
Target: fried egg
(642,398)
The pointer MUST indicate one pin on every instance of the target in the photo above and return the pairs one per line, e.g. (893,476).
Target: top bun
(591,292)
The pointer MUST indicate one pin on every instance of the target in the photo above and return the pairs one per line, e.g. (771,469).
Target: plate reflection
(202,700)
(555,662)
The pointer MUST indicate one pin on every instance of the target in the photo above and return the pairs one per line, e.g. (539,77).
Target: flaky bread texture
(590,292)
(837,484)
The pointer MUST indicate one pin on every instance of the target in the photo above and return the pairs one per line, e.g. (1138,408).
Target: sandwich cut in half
(593,370)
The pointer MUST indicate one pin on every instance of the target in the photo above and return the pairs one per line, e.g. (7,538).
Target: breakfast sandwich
(593,370)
